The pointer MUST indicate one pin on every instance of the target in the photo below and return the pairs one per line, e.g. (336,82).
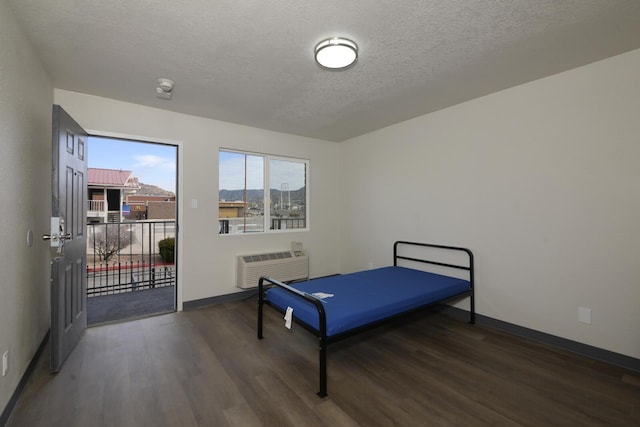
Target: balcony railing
(287,223)
(96,206)
(256,224)
(124,257)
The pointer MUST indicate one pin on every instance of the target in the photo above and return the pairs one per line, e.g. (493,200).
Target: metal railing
(256,224)
(125,257)
(287,223)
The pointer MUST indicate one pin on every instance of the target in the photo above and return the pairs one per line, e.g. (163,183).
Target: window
(242,197)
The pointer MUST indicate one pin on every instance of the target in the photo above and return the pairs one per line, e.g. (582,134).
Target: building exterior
(112,197)
(108,190)
(231,209)
(150,207)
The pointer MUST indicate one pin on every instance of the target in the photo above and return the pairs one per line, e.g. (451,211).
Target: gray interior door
(68,236)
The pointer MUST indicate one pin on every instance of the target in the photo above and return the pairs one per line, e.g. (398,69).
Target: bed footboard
(321,333)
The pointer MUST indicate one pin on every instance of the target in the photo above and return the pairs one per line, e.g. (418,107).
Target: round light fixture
(336,53)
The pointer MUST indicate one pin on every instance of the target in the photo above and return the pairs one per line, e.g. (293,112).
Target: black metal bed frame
(321,332)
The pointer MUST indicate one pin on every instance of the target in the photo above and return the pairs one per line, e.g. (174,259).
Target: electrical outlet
(584,315)
(5,363)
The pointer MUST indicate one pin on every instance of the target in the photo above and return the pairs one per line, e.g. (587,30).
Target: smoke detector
(164,88)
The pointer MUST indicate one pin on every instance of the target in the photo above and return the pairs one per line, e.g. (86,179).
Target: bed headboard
(447,257)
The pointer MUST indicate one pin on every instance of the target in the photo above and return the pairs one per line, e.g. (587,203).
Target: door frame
(179,168)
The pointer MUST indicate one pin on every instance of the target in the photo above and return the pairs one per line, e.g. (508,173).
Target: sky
(291,173)
(153,164)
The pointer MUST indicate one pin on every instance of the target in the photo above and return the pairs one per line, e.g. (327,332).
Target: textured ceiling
(251,61)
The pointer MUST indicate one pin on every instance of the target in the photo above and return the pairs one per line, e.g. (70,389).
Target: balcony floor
(130,305)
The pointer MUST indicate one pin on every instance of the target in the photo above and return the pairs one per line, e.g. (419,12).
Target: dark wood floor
(206,367)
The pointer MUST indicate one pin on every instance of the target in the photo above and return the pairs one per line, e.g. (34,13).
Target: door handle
(56,237)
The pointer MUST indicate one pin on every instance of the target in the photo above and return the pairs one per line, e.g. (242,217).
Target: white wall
(207,259)
(26,95)
(541,181)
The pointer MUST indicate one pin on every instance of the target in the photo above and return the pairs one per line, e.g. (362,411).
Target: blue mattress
(367,296)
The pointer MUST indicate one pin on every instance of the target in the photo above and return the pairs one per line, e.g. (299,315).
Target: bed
(336,307)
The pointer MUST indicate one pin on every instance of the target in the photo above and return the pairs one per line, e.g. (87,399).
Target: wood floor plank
(207,368)
(241,416)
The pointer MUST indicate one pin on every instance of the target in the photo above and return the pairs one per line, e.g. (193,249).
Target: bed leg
(472,311)
(323,368)
(260,305)
(260,321)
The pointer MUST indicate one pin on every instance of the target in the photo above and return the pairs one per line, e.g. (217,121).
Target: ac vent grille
(266,257)
(283,266)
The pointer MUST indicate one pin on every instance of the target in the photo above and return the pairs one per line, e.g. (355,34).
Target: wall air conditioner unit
(283,266)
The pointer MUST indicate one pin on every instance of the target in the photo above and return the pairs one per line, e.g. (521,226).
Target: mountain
(152,190)
(297,196)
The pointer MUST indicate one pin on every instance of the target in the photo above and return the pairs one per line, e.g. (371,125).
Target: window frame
(267,216)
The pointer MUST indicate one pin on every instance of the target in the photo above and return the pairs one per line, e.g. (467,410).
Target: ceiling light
(336,53)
